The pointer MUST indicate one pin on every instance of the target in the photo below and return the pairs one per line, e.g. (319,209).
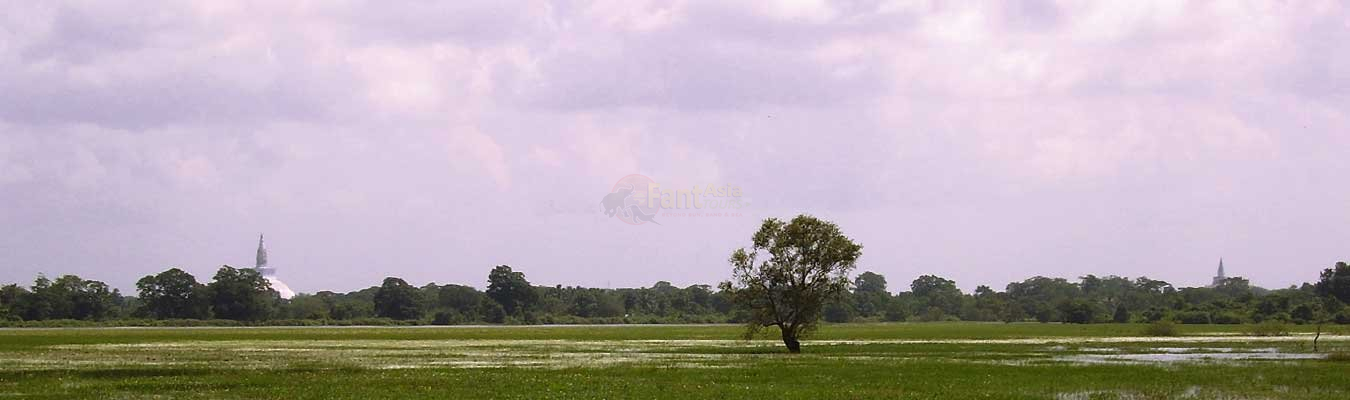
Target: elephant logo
(627,201)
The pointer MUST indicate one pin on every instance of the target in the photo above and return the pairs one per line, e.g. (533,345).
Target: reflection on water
(1184,354)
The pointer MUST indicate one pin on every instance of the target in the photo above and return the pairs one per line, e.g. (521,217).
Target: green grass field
(940,360)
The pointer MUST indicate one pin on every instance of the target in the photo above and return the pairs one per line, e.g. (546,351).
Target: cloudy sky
(982,142)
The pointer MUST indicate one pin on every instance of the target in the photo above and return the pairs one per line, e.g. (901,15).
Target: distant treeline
(241,296)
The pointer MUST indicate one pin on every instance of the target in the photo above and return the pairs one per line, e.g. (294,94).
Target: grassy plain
(938,360)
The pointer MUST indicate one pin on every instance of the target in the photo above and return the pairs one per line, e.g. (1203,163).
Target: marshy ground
(947,360)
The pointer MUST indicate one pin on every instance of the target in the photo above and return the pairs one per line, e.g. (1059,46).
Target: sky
(985,142)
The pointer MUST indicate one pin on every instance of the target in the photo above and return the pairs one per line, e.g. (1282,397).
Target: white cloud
(471,150)
(810,11)
(187,115)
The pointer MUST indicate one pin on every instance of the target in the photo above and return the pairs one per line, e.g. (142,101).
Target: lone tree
(789,275)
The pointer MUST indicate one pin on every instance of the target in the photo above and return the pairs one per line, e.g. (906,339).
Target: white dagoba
(271,273)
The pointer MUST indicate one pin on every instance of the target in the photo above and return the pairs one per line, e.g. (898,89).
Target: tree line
(243,295)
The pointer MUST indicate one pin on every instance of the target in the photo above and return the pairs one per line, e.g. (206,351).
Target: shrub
(447,317)
(837,312)
(1079,312)
(933,314)
(1162,328)
(372,322)
(292,322)
(1277,317)
(896,312)
(493,312)
(1155,314)
(1269,328)
(1192,317)
(1226,318)
(1121,316)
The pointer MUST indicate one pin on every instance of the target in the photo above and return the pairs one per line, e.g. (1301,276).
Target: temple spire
(262,254)
(1220,277)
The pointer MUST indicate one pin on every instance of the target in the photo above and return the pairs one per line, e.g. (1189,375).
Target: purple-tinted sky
(434,140)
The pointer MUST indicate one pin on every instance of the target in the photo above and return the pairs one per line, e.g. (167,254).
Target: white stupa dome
(280,287)
(271,273)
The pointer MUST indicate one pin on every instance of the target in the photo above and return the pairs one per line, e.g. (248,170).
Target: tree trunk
(1319,336)
(790,340)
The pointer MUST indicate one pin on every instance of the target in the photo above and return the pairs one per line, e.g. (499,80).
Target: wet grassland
(933,360)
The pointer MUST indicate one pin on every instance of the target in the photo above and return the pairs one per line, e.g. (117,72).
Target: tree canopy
(397,299)
(789,273)
(1335,282)
(510,289)
(241,294)
(173,294)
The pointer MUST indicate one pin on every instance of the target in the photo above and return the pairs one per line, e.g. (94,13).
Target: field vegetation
(915,360)
(237,297)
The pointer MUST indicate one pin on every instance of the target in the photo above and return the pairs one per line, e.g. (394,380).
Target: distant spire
(262,254)
(1220,277)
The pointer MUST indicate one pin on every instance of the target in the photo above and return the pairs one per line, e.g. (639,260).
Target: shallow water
(1170,357)
(398,354)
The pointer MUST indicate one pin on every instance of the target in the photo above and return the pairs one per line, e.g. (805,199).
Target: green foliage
(349,306)
(937,292)
(600,303)
(870,298)
(1040,297)
(1226,318)
(869,282)
(493,312)
(1236,288)
(838,311)
(1079,311)
(1335,282)
(173,294)
(1307,313)
(241,295)
(44,302)
(896,311)
(396,363)
(307,307)
(462,299)
(788,275)
(511,290)
(398,300)
(932,314)
(1162,328)
(10,297)
(1121,316)
(447,317)
(68,297)
(88,299)
(1269,328)
(1192,317)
